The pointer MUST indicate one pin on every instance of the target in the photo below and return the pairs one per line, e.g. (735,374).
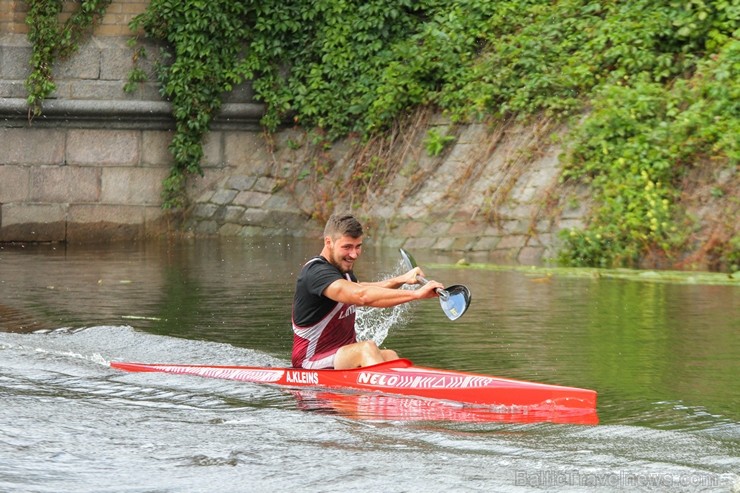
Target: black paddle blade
(457,303)
(408,261)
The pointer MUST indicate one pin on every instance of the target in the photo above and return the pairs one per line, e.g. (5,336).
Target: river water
(664,358)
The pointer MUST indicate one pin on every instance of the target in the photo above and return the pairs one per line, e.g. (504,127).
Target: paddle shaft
(441,292)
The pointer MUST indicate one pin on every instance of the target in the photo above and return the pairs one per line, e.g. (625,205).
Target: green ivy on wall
(635,148)
(205,39)
(52,41)
(652,87)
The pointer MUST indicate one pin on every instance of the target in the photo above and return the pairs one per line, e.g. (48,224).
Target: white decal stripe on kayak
(264,376)
(434,381)
(442,374)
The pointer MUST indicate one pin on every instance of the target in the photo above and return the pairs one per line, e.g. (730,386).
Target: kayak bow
(401,377)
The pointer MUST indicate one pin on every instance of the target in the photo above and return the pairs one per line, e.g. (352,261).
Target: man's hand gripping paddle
(455,300)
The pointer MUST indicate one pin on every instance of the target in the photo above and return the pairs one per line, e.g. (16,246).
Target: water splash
(375,323)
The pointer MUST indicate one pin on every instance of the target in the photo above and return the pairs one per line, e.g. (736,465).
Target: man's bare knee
(362,353)
(388,354)
(370,347)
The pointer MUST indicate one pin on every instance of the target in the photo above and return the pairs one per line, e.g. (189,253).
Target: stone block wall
(13,16)
(71,175)
(62,184)
(91,167)
(115,22)
(494,196)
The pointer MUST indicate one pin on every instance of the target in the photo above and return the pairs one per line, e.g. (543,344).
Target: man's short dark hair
(343,224)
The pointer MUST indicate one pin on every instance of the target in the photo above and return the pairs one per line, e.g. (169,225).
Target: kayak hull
(401,377)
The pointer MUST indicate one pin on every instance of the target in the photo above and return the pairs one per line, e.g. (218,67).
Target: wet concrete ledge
(120,114)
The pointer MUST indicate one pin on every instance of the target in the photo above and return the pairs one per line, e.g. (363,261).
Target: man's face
(344,252)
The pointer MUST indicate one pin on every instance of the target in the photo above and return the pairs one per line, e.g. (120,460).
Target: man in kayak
(327,293)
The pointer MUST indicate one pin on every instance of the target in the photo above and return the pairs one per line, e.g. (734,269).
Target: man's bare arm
(410,277)
(370,294)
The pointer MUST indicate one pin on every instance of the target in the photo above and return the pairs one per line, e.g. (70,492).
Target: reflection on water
(372,406)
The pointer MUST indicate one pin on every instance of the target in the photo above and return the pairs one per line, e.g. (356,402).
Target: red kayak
(401,377)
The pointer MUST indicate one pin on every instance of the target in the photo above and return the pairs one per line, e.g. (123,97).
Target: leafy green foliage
(435,142)
(136,76)
(733,254)
(51,41)
(657,81)
(635,147)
